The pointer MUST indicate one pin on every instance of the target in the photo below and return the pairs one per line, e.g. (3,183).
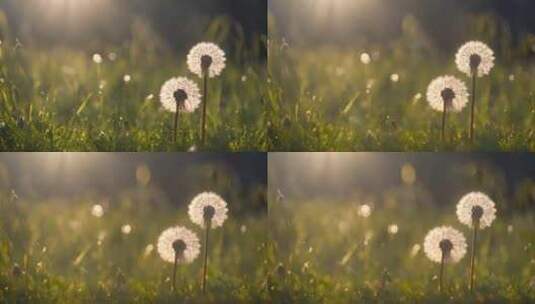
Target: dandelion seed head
(97,210)
(393,229)
(243,229)
(512,77)
(126,229)
(365,58)
(475,56)
(178,242)
(180,90)
(365,210)
(476,206)
(127,78)
(394,77)
(510,229)
(244,78)
(449,90)
(97,58)
(208,206)
(192,148)
(445,239)
(206,56)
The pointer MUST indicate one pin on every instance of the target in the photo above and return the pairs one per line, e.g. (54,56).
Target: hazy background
(97,23)
(163,177)
(437,22)
(422,178)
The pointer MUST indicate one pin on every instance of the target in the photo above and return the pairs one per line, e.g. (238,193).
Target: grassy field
(58,99)
(56,251)
(326,253)
(323,98)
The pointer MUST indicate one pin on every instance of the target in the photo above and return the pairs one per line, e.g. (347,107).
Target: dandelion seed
(179,95)
(209,211)
(511,77)
(447,93)
(365,210)
(444,245)
(393,229)
(394,78)
(408,174)
(126,229)
(417,97)
(510,228)
(367,237)
(102,84)
(178,245)
(243,229)
(280,196)
(415,249)
(206,60)
(112,56)
(477,211)
(127,78)
(148,250)
(365,58)
(243,78)
(97,58)
(192,148)
(475,59)
(150,97)
(97,210)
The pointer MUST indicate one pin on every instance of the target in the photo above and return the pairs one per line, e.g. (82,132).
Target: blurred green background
(325,248)
(55,248)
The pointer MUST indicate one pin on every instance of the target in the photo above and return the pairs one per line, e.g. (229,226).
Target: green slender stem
(441,272)
(176,123)
(174,271)
(473,257)
(473,107)
(444,115)
(205,264)
(205,100)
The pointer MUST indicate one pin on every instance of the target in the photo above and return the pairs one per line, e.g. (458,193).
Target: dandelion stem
(441,271)
(174,271)
(473,257)
(176,123)
(444,116)
(205,265)
(205,100)
(473,107)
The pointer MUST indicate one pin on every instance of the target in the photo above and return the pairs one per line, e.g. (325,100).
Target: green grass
(55,244)
(323,257)
(318,98)
(52,99)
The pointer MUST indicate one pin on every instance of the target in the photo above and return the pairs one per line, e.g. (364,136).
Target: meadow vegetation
(324,97)
(60,99)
